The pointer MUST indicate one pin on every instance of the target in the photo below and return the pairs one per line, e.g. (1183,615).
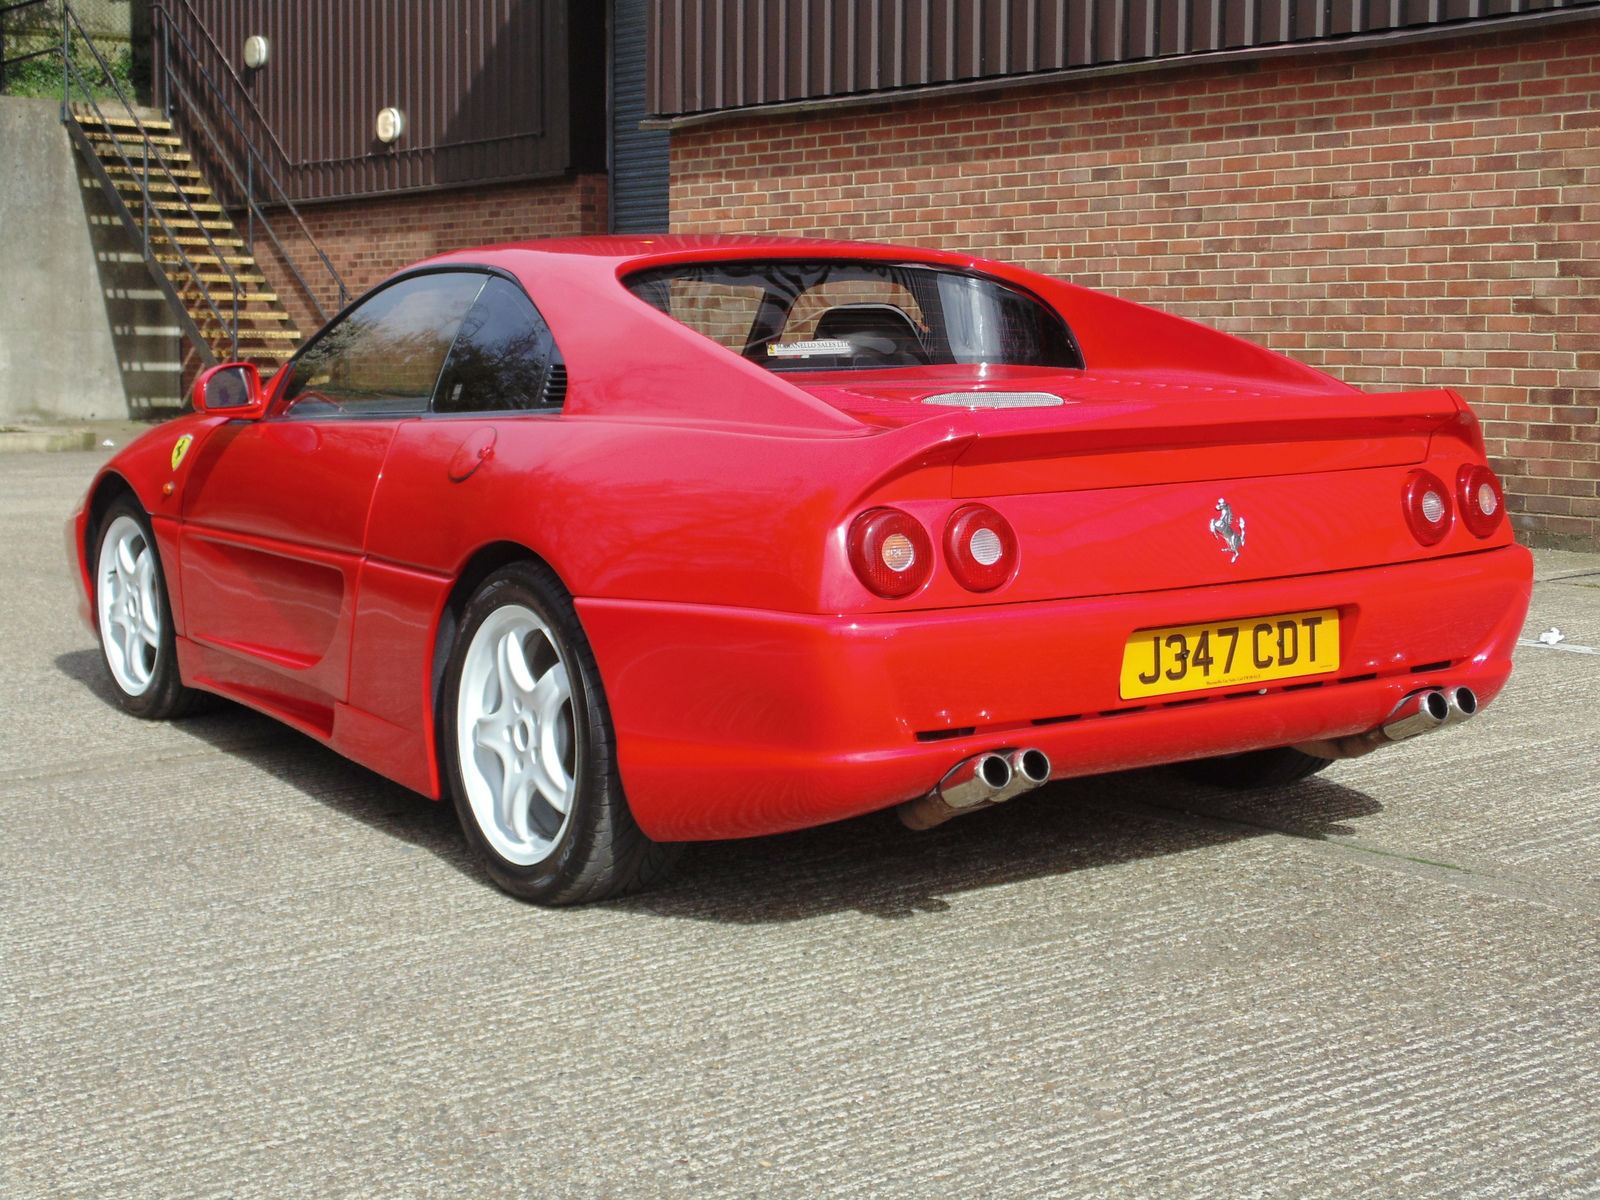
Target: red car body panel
(697,506)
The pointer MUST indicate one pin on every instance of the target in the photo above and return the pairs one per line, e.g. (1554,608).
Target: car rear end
(1107,568)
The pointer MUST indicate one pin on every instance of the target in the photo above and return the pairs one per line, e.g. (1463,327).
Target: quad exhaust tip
(1421,712)
(992,777)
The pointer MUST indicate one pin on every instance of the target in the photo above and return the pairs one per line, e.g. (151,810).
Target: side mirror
(231,390)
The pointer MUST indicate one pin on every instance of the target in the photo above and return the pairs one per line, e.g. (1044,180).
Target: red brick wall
(369,239)
(1424,215)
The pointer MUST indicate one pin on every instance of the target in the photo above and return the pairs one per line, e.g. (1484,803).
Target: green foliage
(41,77)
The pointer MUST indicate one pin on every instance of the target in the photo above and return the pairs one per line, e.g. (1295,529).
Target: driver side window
(383,357)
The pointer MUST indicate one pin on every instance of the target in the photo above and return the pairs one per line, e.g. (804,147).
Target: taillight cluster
(892,553)
(1430,507)
(1481,500)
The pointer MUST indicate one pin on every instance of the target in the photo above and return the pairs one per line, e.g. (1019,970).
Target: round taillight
(1480,499)
(890,552)
(980,547)
(1427,506)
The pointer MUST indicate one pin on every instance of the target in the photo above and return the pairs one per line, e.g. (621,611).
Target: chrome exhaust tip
(1029,769)
(1419,713)
(977,782)
(971,783)
(1422,713)
(1463,704)
(1031,765)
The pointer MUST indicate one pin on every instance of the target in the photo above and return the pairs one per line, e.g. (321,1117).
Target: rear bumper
(734,722)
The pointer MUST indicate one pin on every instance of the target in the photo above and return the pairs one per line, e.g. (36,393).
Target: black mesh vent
(554,392)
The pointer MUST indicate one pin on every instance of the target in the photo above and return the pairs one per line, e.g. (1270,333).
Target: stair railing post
(250,197)
(166,67)
(66,51)
(144,189)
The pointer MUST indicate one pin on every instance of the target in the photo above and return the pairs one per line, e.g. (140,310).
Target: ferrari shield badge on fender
(1229,530)
(180,448)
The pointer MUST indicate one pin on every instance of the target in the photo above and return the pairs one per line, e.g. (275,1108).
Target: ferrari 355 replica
(620,543)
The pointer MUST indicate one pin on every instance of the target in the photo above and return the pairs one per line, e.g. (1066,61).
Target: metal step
(168,205)
(253,335)
(113,167)
(132,193)
(218,279)
(110,152)
(86,117)
(204,315)
(172,220)
(186,240)
(221,297)
(132,137)
(233,260)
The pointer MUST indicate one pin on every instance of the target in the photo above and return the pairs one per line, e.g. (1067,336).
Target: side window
(384,357)
(504,357)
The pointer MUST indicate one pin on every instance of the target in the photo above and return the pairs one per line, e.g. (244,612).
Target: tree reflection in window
(384,357)
(500,358)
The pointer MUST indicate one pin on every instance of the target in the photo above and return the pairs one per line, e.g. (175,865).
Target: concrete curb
(26,438)
(17,441)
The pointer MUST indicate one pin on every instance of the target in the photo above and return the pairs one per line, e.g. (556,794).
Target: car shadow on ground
(870,864)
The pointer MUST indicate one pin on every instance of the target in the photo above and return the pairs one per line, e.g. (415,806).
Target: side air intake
(554,392)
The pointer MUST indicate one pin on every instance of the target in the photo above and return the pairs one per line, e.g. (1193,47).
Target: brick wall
(369,239)
(1424,215)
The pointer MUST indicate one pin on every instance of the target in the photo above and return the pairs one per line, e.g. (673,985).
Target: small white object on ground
(108,443)
(1551,636)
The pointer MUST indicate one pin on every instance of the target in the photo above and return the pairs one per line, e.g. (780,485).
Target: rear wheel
(530,749)
(1254,769)
(134,618)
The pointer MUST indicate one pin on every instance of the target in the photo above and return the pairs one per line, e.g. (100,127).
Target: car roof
(621,254)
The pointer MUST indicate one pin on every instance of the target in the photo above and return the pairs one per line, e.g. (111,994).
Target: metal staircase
(184,195)
(187,238)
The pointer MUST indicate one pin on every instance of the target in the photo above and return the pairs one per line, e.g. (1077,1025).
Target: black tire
(599,850)
(164,696)
(1254,769)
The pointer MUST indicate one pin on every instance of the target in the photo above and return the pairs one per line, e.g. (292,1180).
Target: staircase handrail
(246,187)
(69,20)
(159,12)
(279,195)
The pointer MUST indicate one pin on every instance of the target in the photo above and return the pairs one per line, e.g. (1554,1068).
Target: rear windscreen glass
(831,315)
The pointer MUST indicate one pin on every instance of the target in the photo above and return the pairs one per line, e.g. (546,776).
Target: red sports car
(626,542)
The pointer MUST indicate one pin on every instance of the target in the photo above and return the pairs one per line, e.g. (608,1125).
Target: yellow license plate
(1192,658)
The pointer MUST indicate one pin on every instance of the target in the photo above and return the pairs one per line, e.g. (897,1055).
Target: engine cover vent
(995,400)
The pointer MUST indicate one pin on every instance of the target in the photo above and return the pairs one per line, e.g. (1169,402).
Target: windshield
(833,315)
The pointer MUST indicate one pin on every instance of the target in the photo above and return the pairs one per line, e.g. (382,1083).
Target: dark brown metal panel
(484,86)
(1142,34)
(716,54)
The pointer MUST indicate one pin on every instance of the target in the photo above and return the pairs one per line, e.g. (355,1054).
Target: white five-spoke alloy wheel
(529,751)
(516,736)
(128,602)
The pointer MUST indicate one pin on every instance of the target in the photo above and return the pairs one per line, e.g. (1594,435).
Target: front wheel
(530,749)
(134,619)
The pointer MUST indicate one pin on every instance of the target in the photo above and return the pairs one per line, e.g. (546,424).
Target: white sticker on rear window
(830,346)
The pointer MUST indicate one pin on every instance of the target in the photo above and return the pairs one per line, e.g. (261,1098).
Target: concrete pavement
(236,965)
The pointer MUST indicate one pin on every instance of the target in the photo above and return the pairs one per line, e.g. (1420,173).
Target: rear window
(832,315)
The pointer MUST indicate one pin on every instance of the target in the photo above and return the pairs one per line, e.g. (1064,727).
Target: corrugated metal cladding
(708,55)
(639,157)
(483,84)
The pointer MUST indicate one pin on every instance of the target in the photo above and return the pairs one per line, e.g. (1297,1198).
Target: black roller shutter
(638,156)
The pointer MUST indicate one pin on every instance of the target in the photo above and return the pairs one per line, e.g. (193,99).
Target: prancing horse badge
(1229,530)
